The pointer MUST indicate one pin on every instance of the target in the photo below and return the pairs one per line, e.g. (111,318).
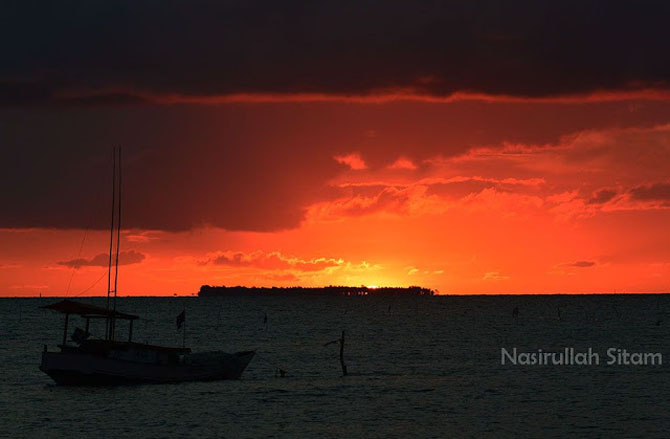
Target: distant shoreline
(332,291)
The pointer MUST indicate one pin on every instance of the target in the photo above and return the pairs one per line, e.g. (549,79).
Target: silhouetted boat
(111,361)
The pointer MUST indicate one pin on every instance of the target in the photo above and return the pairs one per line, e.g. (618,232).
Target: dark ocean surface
(419,368)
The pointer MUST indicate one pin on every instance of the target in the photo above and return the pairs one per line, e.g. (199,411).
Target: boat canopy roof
(86,310)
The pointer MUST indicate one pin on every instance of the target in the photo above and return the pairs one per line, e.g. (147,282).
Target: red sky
(466,146)
(465,196)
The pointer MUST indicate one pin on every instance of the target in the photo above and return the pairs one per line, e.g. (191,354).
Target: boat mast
(111,238)
(118,244)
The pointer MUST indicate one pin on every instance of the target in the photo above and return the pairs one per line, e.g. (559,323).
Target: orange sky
(464,196)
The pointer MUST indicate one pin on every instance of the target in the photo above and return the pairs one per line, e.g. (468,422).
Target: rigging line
(91,286)
(81,247)
(96,203)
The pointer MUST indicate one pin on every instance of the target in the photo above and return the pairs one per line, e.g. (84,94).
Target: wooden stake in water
(344,366)
(341,342)
(183,340)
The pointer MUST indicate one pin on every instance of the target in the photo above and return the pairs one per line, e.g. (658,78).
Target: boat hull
(77,368)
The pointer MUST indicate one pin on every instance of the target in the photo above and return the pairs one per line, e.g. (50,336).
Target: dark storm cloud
(23,92)
(651,192)
(183,167)
(17,93)
(523,48)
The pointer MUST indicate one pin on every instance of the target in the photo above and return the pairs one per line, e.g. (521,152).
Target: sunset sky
(469,147)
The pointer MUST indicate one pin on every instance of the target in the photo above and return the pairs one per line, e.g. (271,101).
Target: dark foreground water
(429,367)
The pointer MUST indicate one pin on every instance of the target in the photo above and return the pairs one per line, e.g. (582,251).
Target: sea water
(417,367)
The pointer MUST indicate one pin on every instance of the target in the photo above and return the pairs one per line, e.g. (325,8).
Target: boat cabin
(110,347)
(89,312)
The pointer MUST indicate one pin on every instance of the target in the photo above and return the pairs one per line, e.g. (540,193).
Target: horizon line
(594,293)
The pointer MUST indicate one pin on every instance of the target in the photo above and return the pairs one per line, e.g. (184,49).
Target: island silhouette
(331,290)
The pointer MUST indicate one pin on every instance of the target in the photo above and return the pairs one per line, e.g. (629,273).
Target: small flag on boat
(180,319)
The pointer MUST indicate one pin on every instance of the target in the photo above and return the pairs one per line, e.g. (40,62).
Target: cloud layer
(102,260)
(271,261)
(187,167)
(124,51)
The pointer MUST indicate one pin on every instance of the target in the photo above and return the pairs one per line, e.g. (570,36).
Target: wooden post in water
(67,318)
(183,340)
(341,343)
(344,366)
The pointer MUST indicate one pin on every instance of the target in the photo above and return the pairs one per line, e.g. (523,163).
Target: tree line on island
(331,290)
